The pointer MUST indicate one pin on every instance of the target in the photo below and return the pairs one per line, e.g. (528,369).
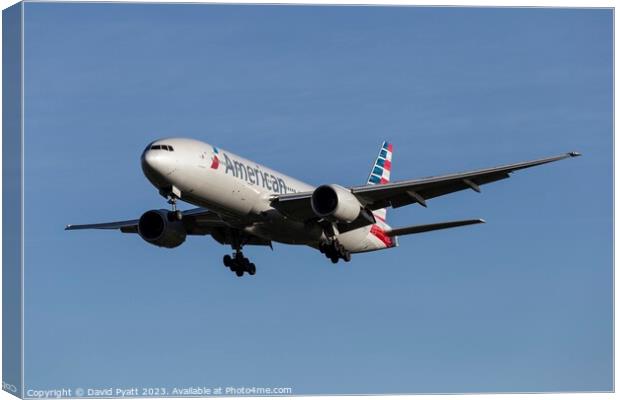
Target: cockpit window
(162,147)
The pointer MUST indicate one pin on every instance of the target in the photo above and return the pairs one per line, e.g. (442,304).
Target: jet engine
(335,202)
(161,228)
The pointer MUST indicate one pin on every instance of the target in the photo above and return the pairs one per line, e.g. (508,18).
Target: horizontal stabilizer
(432,227)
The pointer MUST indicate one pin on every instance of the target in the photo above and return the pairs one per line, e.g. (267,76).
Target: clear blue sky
(523,303)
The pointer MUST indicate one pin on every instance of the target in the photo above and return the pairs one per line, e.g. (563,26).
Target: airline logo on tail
(380,174)
(383,165)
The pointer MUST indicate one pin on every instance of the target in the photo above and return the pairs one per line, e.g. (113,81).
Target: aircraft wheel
(227,260)
(251,269)
(239,272)
(334,259)
(347,256)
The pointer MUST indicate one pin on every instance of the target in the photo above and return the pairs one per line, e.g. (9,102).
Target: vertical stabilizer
(380,173)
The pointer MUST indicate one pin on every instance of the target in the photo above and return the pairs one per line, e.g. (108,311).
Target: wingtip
(482,221)
(574,154)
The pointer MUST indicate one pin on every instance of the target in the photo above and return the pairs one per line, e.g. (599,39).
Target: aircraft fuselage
(240,190)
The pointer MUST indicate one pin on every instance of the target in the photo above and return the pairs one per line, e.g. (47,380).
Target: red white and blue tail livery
(241,202)
(379,175)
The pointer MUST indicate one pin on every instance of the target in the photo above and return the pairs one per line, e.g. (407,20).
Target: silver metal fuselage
(240,191)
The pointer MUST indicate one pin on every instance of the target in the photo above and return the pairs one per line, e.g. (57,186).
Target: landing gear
(252,269)
(335,251)
(239,264)
(172,200)
(172,195)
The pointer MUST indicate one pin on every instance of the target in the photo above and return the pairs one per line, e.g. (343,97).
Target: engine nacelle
(335,202)
(159,227)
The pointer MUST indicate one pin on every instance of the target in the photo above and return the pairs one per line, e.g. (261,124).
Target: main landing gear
(335,251)
(238,263)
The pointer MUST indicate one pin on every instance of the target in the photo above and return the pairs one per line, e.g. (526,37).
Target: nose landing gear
(172,200)
(335,251)
(172,194)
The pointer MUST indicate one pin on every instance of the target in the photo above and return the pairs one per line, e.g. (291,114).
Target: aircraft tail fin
(380,173)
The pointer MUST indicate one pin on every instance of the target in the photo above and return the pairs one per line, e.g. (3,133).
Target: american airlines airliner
(241,202)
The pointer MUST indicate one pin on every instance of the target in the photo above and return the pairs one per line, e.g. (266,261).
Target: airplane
(241,202)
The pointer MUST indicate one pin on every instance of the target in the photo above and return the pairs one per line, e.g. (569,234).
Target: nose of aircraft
(157,163)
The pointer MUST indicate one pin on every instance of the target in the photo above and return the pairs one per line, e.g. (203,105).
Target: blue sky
(522,303)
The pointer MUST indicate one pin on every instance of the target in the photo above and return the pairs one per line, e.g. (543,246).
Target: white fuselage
(240,191)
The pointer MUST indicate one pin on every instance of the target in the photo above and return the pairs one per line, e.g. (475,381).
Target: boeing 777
(241,202)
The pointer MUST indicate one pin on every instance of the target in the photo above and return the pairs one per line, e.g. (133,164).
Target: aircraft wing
(398,194)
(401,193)
(197,221)
(124,226)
